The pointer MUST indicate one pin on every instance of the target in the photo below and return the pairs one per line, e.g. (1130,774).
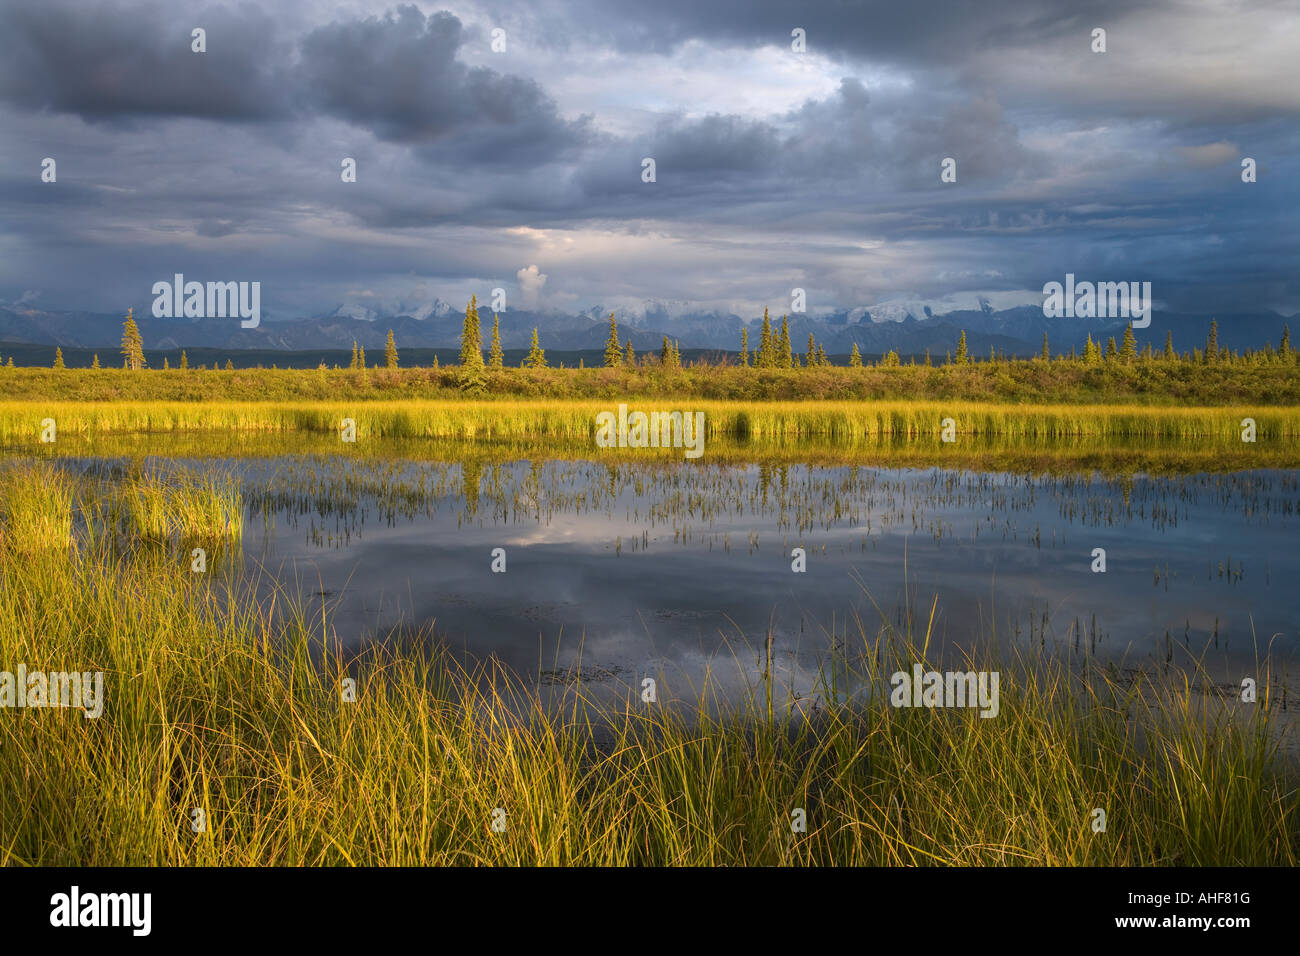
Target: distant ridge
(1016,331)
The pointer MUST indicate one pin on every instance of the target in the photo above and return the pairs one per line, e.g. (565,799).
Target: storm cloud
(482,166)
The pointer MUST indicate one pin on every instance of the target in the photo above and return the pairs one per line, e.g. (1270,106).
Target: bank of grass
(842,422)
(227,707)
(1156,382)
(1111,456)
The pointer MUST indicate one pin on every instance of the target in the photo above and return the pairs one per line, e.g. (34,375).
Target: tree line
(774,351)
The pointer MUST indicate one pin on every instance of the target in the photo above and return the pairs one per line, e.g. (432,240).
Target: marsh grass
(232,704)
(184,506)
(35,509)
(842,422)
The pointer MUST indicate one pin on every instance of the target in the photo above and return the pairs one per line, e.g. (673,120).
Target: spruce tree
(230,366)
(744,347)
(821,356)
(185,361)
(390,351)
(629,356)
(1046,354)
(764,357)
(1111,350)
(1284,348)
(1212,343)
(496,357)
(1128,346)
(361,358)
(1169,345)
(536,357)
(963,356)
(613,350)
(132,343)
(354,364)
(810,357)
(58,358)
(471,344)
(95,361)
(785,352)
(855,357)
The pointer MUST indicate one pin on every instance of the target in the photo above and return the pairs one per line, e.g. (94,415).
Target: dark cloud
(398,76)
(106,64)
(925,32)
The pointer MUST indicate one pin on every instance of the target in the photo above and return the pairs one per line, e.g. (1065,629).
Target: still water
(684,569)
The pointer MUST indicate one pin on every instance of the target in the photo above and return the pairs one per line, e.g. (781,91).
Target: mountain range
(1013,331)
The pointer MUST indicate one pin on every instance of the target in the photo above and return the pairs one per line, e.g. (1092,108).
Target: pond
(676,569)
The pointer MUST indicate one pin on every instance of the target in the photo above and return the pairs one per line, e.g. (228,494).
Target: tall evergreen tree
(185,360)
(785,351)
(58,358)
(471,343)
(1212,343)
(963,356)
(629,356)
(132,343)
(1284,347)
(855,357)
(536,357)
(1128,346)
(810,357)
(94,363)
(496,357)
(613,350)
(821,356)
(390,351)
(361,358)
(1046,354)
(1111,350)
(356,364)
(744,347)
(764,359)
(1169,345)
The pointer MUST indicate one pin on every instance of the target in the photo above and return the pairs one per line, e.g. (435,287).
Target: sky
(521,167)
